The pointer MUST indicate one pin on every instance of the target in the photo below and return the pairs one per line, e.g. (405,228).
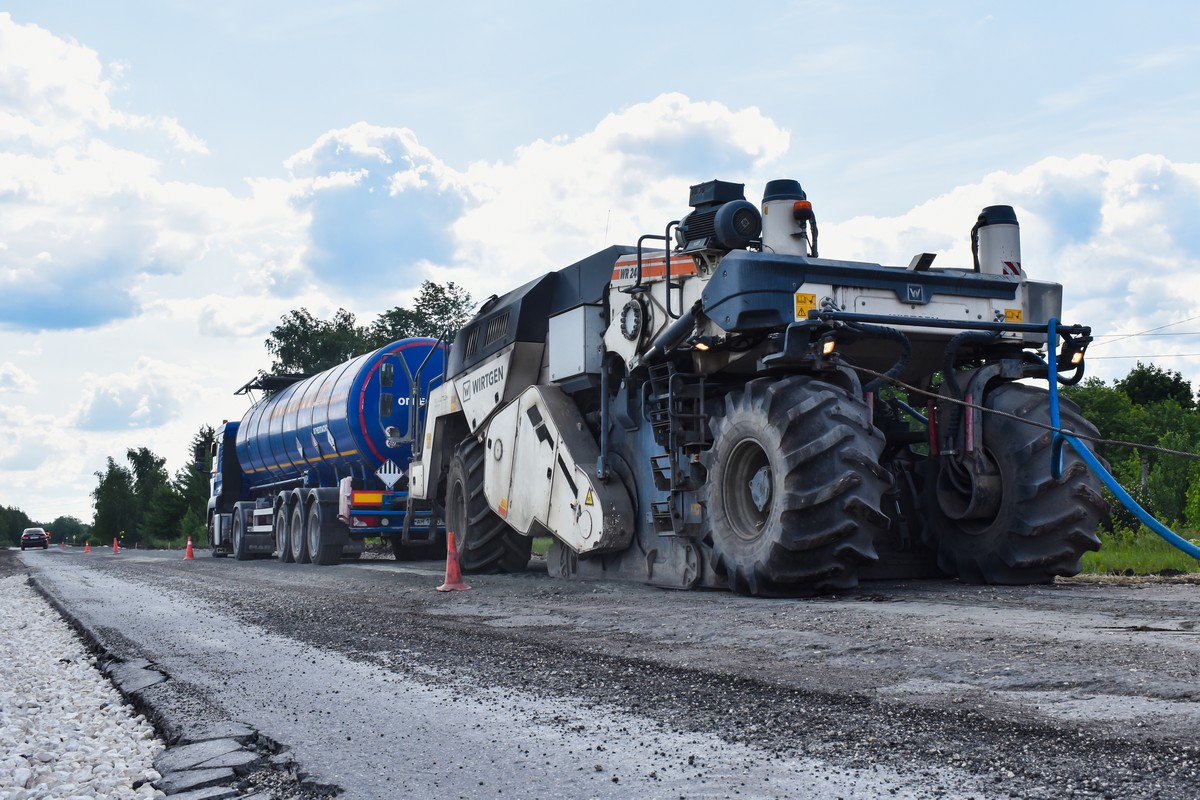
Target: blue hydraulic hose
(1089,458)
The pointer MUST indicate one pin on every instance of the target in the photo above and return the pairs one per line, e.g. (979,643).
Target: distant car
(35,537)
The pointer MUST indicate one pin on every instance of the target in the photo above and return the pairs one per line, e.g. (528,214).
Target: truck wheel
(483,540)
(241,550)
(324,538)
(283,542)
(794,487)
(298,541)
(1041,527)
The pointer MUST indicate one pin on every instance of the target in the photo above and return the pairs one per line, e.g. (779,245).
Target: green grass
(1125,552)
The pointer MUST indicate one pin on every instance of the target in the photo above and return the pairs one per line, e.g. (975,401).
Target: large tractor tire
(1041,526)
(483,540)
(794,487)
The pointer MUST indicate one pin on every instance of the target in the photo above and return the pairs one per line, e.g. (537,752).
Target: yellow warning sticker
(804,304)
(1012,315)
(587,501)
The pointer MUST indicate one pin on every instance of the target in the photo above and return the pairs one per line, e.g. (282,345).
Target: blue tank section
(345,421)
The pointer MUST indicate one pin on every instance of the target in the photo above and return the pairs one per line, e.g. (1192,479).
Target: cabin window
(387,374)
(387,405)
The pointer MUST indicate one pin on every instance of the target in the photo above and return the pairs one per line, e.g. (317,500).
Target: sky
(175,176)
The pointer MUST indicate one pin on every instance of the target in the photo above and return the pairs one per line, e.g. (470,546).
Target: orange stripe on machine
(654,268)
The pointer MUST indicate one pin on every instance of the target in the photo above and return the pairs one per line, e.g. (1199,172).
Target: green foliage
(161,516)
(115,502)
(1149,406)
(1111,411)
(303,344)
(68,529)
(1170,478)
(1146,384)
(1191,507)
(149,481)
(1136,551)
(439,310)
(63,529)
(141,505)
(12,522)
(193,525)
(192,485)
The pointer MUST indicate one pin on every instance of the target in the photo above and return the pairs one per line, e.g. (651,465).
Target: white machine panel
(574,342)
(539,471)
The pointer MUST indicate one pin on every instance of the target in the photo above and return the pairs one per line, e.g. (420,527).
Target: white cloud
(558,201)
(22,456)
(86,221)
(149,397)
(378,204)
(56,91)
(16,380)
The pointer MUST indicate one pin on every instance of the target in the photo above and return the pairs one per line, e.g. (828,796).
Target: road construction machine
(717,406)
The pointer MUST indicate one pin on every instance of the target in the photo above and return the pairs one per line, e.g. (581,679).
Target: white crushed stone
(65,732)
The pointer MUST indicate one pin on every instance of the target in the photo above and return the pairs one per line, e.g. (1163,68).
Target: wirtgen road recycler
(728,409)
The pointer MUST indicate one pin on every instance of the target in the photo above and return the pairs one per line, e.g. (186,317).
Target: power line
(1127,335)
(1151,330)
(1091,357)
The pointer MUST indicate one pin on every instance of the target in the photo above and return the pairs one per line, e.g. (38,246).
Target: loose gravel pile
(65,732)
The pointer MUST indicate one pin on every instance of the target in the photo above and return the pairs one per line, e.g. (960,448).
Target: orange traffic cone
(454,581)
(87,548)
(189,555)
(115,548)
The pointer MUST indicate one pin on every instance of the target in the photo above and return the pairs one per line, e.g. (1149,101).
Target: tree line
(139,504)
(304,344)
(1155,407)
(63,529)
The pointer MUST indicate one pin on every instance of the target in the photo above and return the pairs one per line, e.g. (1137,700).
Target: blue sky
(175,176)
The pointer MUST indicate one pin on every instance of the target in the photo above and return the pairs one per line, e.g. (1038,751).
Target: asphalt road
(533,688)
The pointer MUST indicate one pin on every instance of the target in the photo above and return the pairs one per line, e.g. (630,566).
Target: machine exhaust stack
(996,242)
(783,233)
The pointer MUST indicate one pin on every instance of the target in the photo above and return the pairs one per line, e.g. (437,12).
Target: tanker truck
(718,406)
(321,462)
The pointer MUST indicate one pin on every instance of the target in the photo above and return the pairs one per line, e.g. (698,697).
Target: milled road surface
(528,687)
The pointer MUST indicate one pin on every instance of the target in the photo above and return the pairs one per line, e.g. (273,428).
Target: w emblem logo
(916,294)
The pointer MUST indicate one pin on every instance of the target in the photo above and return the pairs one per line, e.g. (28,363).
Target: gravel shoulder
(1080,689)
(65,731)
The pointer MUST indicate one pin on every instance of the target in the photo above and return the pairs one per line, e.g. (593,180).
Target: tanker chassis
(724,412)
(321,462)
